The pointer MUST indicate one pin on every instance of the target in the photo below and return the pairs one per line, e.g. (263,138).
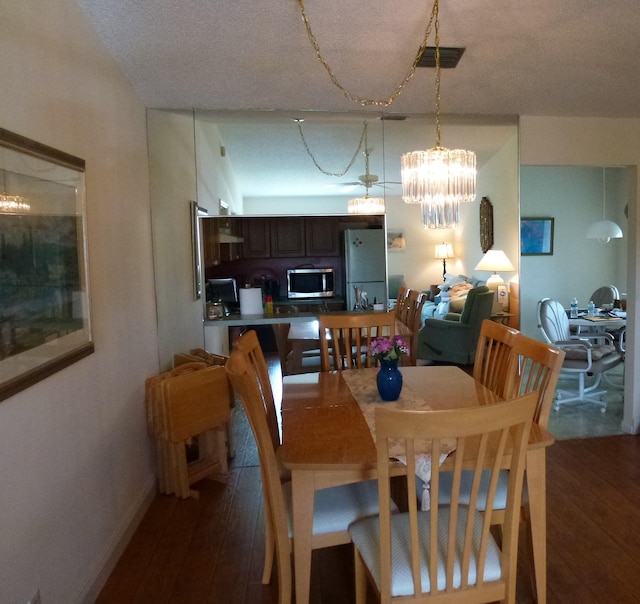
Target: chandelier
(439,178)
(366,204)
(13,204)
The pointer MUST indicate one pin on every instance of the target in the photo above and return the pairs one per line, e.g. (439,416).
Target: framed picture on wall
(395,240)
(45,320)
(536,236)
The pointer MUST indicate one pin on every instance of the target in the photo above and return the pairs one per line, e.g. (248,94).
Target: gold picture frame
(45,318)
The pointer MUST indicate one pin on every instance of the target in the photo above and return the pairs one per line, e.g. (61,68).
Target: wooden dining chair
(335,508)
(446,554)
(281,334)
(345,339)
(525,366)
(249,345)
(493,354)
(536,367)
(415,302)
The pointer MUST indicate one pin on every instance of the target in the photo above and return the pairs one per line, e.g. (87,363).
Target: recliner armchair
(454,339)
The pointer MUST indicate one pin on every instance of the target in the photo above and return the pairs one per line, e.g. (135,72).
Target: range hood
(225,236)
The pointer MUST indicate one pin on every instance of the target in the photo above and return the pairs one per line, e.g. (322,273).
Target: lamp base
(501,295)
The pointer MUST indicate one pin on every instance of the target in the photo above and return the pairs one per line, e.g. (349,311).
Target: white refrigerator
(366,265)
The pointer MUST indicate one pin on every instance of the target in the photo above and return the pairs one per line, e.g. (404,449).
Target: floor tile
(585,420)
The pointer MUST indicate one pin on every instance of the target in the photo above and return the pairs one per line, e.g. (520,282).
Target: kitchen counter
(236,320)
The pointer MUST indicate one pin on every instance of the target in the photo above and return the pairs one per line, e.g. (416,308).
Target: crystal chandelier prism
(13,204)
(439,179)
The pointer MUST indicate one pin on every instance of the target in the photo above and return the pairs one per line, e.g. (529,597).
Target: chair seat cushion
(597,352)
(336,508)
(500,501)
(365,535)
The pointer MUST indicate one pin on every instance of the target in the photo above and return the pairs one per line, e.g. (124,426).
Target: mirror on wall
(266,163)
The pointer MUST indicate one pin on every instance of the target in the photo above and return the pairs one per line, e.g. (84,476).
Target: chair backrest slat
(493,353)
(512,364)
(461,553)
(401,308)
(535,367)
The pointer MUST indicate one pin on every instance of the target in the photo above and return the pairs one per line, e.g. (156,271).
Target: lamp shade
(494,261)
(444,251)
(604,230)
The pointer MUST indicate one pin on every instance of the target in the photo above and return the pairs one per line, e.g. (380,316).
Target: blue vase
(389,380)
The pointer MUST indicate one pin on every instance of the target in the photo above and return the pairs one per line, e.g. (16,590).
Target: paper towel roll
(251,301)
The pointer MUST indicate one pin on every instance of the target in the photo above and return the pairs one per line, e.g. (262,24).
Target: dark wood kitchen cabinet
(322,236)
(257,238)
(210,243)
(287,237)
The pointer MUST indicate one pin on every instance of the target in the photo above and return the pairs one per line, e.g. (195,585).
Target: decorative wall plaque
(486,225)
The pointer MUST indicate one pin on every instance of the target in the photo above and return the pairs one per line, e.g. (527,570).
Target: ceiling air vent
(449,57)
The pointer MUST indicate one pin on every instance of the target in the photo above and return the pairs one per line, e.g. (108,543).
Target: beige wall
(572,195)
(554,141)
(76,463)
(172,168)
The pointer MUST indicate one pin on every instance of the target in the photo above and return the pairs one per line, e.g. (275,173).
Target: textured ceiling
(539,57)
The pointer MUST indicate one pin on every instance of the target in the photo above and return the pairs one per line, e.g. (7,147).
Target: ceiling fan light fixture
(366,205)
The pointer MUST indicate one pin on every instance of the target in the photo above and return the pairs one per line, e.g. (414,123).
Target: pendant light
(439,178)
(604,229)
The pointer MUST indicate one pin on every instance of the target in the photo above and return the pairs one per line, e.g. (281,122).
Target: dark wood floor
(211,549)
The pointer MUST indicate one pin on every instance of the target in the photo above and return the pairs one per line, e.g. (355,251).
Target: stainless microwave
(310,283)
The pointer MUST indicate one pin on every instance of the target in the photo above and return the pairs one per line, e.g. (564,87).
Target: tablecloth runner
(363,387)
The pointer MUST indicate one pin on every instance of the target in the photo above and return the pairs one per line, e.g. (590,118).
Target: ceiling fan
(366,180)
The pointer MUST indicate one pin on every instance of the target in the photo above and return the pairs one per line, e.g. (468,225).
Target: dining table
(600,322)
(327,441)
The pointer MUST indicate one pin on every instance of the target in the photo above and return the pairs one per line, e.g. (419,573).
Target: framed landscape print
(45,322)
(536,236)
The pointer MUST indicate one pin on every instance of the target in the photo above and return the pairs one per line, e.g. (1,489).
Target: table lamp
(494,261)
(444,252)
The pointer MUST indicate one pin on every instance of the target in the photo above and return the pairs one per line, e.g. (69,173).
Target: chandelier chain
(435,16)
(362,100)
(315,161)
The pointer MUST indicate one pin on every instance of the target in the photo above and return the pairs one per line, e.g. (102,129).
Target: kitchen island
(216,331)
